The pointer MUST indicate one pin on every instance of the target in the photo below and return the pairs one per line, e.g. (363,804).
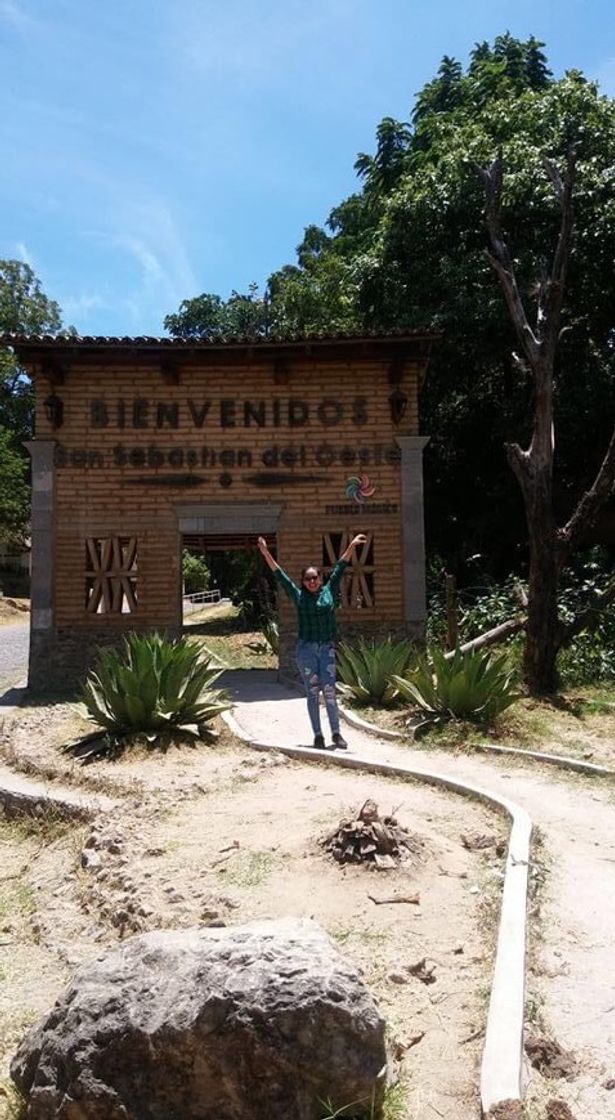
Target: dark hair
(314,567)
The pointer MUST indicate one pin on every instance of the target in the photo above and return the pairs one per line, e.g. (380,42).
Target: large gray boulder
(258,1022)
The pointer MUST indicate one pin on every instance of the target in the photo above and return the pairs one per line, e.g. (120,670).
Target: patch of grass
(394,1107)
(249,869)
(48,825)
(17,899)
(14,1104)
(365,936)
(13,1026)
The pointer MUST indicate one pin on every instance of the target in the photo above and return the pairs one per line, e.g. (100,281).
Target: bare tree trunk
(542,622)
(452,627)
(534,466)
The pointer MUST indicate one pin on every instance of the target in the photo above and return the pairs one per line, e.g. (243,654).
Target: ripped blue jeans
(316,664)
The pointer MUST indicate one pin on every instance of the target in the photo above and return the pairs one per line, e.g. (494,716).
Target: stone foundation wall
(59,662)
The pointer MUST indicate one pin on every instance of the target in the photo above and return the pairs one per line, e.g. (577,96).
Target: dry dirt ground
(224,835)
(579,724)
(13,610)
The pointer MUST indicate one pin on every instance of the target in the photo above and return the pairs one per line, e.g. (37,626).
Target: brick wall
(125,427)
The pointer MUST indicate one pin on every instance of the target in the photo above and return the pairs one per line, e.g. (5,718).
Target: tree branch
(589,618)
(500,257)
(554,290)
(588,508)
(491,637)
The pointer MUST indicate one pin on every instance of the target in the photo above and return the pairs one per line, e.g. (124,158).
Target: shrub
(196,574)
(152,687)
(474,686)
(590,657)
(367,669)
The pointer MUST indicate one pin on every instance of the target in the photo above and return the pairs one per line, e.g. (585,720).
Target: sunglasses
(311,579)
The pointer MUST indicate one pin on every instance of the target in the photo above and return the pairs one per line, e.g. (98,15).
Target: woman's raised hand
(261,544)
(359,539)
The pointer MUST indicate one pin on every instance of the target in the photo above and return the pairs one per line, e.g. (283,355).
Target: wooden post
(452,627)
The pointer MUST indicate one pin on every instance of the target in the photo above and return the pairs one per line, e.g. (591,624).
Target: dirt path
(571,986)
(14,643)
(223,835)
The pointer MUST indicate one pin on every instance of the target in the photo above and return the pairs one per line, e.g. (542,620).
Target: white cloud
(254,41)
(23,255)
(81,306)
(161,275)
(15,15)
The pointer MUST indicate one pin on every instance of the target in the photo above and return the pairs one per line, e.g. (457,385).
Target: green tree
(195,572)
(208,315)
(14,491)
(24,309)
(408,251)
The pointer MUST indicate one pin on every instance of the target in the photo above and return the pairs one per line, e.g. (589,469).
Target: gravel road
(14,642)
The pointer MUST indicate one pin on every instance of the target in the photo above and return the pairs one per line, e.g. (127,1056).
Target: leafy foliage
(160,689)
(591,655)
(367,669)
(24,309)
(208,315)
(196,574)
(14,490)
(473,686)
(407,250)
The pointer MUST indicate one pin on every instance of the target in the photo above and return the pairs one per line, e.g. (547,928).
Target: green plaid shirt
(315,613)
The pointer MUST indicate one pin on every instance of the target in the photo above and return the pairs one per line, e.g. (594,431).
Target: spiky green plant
(270,642)
(153,687)
(474,685)
(367,668)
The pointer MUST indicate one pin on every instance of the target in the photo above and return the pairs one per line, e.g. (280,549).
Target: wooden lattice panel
(357,587)
(111,575)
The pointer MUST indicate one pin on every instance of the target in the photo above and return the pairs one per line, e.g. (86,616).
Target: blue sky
(155,149)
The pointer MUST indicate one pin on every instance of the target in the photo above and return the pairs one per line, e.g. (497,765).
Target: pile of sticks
(366,838)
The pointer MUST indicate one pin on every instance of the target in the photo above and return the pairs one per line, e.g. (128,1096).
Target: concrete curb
(19,794)
(565,762)
(11,700)
(502,1063)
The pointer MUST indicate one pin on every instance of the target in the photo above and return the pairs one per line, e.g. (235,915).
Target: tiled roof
(32,341)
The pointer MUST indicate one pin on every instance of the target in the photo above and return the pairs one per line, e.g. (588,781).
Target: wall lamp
(398,403)
(54,410)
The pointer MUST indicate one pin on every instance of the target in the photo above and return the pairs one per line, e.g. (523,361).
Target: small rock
(119,917)
(91,860)
(610,1084)
(397,978)
(215,923)
(558,1110)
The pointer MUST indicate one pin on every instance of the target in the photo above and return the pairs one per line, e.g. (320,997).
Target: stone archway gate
(138,440)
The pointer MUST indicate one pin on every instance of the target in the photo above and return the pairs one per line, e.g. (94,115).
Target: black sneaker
(319,742)
(339,742)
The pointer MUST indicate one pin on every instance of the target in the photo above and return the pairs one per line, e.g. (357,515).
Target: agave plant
(152,687)
(367,669)
(270,642)
(472,685)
